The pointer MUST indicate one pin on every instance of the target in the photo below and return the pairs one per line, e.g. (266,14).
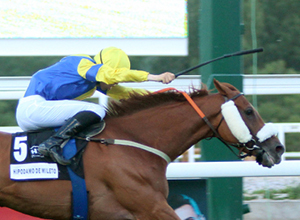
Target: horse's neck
(171,128)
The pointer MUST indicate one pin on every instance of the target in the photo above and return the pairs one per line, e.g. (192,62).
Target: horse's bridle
(251,145)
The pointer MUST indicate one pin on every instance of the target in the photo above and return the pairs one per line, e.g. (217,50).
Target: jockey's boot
(53,146)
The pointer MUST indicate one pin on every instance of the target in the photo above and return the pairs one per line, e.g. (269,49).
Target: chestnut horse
(126,182)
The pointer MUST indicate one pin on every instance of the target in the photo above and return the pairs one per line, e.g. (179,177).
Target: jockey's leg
(52,146)
(35,112)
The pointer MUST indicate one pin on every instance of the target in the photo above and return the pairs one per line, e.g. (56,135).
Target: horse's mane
(137,102)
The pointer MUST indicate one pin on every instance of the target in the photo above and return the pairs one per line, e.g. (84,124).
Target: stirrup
(57,157)
(53,153)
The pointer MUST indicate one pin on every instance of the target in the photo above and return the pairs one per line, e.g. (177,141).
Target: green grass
(291,192)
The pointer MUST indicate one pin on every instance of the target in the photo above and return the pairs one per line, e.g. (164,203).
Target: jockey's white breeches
(35,112)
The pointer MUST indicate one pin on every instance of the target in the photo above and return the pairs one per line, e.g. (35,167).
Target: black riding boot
(53,146)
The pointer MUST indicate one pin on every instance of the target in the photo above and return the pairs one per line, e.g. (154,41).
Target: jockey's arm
(165,77)
(120,92)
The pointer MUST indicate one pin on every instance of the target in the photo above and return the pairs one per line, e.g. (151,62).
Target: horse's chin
(264,159)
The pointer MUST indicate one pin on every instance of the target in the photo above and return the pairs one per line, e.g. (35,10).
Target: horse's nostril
(280,149)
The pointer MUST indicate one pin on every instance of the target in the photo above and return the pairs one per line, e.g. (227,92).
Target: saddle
(92,130)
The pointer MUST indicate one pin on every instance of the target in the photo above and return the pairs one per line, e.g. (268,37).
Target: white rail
(198,170)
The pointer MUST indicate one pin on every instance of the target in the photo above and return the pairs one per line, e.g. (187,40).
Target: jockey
(53,96)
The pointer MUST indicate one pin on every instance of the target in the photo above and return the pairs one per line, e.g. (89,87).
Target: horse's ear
(221,88)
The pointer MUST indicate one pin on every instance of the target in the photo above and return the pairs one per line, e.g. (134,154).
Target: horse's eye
(249,111)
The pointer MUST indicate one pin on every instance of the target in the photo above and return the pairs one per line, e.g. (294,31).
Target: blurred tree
(281,19)
(277,32)
(7,111)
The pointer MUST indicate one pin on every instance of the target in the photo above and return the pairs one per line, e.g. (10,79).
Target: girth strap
(132,144)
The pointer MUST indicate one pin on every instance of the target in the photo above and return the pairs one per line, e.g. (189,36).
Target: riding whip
(239,53)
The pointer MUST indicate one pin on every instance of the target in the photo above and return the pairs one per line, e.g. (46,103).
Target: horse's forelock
(137,102)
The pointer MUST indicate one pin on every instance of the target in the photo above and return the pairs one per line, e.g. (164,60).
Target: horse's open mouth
(264,159)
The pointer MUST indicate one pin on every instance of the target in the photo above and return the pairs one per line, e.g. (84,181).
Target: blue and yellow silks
(78,76)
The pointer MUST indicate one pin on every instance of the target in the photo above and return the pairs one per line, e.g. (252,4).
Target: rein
(195,107)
